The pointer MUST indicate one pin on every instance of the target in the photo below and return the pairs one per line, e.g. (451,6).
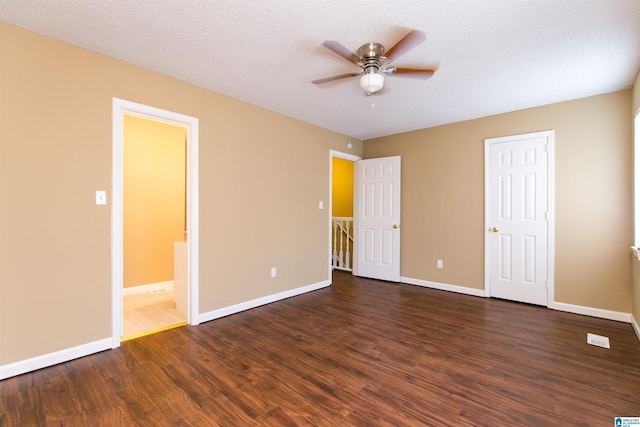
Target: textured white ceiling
(493,56)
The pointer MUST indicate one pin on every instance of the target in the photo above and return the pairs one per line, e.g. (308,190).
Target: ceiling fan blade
(413,73)
(405,44)
(330,79)
(339,49)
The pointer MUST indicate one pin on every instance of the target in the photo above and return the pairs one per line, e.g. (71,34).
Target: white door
(378,218)
(518,237)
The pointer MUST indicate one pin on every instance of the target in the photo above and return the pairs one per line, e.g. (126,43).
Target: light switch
(320,205)
(101,197)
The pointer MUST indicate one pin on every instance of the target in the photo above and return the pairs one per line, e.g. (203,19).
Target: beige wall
(261,177)
(636,263)
(154,198)
(443,197)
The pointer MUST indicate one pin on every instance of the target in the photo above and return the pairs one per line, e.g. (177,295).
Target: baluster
(348,265)
(335,240)
(341,245)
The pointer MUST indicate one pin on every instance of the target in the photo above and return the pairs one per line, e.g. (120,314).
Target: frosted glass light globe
(371,82)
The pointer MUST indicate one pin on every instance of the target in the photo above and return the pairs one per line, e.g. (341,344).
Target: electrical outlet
(439,263)
(274,272)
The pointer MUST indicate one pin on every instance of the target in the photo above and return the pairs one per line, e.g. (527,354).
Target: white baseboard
(636,327)
(560,306)
(46,360)
(147,288)
(68,354)
(593,312)
(226,311)
(54,358)
(443,286)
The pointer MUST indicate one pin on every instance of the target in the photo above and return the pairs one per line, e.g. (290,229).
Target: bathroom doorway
(179,265)
(155,224)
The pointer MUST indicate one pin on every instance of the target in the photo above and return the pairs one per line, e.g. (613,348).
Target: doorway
(122,109)
(341,221)
(154,186)
(376,218)
(519,182)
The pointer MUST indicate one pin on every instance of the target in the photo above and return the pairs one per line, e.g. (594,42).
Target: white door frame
(120,109)
(345,156)
(550,135)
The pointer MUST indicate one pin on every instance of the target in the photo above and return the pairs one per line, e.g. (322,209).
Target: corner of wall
(636,327)
(636,93)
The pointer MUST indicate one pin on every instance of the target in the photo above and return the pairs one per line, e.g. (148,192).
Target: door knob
(395,225)
(495,229)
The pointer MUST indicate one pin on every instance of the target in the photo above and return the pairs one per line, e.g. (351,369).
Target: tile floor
(146,312)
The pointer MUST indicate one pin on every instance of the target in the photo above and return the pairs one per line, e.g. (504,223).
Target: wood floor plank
(359,353)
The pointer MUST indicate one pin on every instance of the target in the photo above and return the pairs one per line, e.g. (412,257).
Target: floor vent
(159,291)
(598,340)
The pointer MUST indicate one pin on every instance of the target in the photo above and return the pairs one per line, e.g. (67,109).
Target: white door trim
(550,135)
(353,158)
(121,107)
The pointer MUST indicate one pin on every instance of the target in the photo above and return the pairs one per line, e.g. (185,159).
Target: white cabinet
(180,276)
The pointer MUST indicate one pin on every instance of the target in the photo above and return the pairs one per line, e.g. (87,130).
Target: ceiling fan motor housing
(370,50)
(371,58)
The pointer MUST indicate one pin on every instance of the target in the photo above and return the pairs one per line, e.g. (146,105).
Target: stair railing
(341,258)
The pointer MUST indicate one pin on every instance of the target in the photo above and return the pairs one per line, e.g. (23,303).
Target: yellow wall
(259,192)
(342,192)
(443,197)
(154,199)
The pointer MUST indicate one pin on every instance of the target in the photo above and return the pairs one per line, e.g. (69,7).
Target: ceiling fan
(375,62)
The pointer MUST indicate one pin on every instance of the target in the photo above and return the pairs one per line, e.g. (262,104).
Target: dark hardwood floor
(360,352)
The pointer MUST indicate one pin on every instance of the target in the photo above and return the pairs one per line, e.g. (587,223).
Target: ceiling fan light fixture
(371,82)
(375,61)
